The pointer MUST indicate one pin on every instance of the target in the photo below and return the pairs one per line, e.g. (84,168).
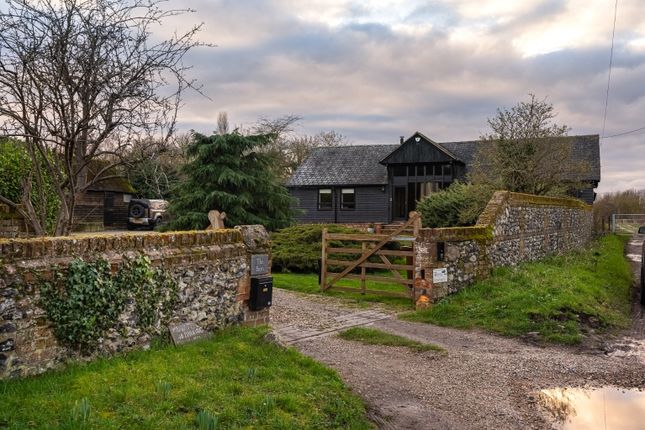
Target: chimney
(401,139)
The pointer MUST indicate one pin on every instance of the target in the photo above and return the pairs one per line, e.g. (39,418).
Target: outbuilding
(383,183)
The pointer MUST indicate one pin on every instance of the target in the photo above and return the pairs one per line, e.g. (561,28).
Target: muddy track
(634,254)
(483,381)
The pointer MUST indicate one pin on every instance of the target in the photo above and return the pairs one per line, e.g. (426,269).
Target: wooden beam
(391,267)
(369,265)
(395,253)
(396,237)
(358,237)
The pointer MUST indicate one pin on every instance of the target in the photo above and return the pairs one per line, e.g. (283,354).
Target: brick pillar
(257,242)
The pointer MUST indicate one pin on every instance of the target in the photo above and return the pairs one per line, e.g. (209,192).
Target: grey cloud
(373,84)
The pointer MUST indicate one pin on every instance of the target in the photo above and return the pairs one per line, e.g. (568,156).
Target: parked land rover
(147,213)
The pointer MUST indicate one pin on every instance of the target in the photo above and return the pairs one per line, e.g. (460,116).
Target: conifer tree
(228,172)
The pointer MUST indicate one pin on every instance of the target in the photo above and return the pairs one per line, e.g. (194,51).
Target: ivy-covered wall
(148,280)
(513,228)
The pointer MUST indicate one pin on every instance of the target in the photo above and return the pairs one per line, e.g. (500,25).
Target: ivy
(15,165)
(154,291)
(82,303)
(86,300)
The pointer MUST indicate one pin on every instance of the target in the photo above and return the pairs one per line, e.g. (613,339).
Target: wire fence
(626,223)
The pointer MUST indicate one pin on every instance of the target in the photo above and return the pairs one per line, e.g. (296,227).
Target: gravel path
(482,382)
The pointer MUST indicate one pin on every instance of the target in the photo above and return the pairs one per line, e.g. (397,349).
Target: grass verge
(308,283)
(560,298)
(372,336)
(234,380)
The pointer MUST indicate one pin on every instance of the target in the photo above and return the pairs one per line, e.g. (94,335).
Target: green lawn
(560,297)
(372,336)
(308,283)
(236,380)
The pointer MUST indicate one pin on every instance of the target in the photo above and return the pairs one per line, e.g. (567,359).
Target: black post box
(261,292)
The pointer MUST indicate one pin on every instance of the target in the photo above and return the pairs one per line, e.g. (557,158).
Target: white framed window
(347,199)
(325,199)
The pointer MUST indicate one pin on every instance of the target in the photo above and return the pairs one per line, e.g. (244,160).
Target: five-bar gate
(370,251)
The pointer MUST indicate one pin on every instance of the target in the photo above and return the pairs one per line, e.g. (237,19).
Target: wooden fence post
(323,261)
(363,269)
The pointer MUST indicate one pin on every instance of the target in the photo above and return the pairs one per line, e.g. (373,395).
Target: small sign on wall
(259,264)
(186,332)
(440,275)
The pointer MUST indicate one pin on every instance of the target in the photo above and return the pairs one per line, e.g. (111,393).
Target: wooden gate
(367,248)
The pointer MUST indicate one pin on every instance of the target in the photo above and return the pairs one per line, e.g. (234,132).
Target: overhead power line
(611,61)
(624,133)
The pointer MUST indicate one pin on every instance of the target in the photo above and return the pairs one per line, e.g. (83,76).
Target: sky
(377,70)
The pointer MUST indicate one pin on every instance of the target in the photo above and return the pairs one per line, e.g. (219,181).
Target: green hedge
(458,205)
(298,248)
(15,165)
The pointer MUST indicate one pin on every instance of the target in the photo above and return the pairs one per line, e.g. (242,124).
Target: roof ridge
(479,140)
(358,146)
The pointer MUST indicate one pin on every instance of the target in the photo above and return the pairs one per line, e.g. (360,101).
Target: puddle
(628,347)
(608,408)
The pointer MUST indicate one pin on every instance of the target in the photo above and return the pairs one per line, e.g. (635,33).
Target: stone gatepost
(258,245)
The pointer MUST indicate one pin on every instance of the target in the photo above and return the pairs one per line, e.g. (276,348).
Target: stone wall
(212,269)
(513,228)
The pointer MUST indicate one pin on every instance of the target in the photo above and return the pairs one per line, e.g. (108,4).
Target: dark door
(398,204)
(413,188)
(109,215)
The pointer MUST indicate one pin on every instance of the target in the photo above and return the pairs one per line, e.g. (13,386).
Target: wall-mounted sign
(259,264)
(186,332)
(440,275)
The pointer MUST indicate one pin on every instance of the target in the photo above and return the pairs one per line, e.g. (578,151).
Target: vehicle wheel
(137,210)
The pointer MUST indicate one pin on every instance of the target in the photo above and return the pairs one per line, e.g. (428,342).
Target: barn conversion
(382,183)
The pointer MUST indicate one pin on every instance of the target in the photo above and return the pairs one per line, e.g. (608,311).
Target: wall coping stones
(513,228)
(98,243)
(501,198)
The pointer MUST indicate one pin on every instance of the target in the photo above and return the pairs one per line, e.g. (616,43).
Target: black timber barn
(382,183)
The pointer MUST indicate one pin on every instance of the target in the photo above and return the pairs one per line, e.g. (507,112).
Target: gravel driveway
(482,382)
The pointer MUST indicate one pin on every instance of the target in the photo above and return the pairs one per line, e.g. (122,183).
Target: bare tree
(618,202)
(527,152)
(222,123)
(82,80)
(290,149)
(154,168)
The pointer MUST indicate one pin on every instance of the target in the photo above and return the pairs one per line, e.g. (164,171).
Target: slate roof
(359,165)
(585,148)
(343,165)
